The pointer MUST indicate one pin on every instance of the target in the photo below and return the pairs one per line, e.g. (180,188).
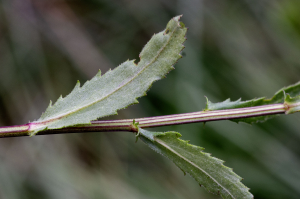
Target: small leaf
(104,95)
(292,104)
(279,97)
(206,170)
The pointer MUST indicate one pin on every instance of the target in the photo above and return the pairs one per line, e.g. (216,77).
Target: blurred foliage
(234,49)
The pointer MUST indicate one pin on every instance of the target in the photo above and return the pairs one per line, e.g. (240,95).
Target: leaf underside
(206,170)
(287,95)
(104,95)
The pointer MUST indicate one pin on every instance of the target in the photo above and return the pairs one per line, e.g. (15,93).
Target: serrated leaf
(206,170)
(278,98)
(104,95)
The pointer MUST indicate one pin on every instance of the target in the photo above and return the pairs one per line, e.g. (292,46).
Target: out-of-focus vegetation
(234,49)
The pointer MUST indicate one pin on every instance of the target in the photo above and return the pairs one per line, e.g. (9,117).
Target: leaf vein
(187,160)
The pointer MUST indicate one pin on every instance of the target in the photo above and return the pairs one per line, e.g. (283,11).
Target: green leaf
(206,170)
(292,104)
(104,95)
(280,97)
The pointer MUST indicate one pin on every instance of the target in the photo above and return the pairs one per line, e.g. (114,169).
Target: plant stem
(127,124)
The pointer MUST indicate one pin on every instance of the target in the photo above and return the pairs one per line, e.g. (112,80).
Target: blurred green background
(234,49)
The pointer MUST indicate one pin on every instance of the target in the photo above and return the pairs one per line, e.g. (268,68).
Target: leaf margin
(282,96)
(52,120)
(151,139)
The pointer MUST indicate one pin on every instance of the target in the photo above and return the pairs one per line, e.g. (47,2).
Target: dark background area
(235,49)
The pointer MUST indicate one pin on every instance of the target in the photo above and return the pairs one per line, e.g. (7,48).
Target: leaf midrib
(193,164)
(134,77)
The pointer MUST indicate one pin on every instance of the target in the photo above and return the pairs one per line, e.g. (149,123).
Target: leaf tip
(50,104)
(135,62)
(177,18)
(99,73)
(207,104)
(77,86)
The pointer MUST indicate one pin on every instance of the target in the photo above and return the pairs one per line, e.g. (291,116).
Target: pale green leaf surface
(206,170)
(279,98)
(104,95)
